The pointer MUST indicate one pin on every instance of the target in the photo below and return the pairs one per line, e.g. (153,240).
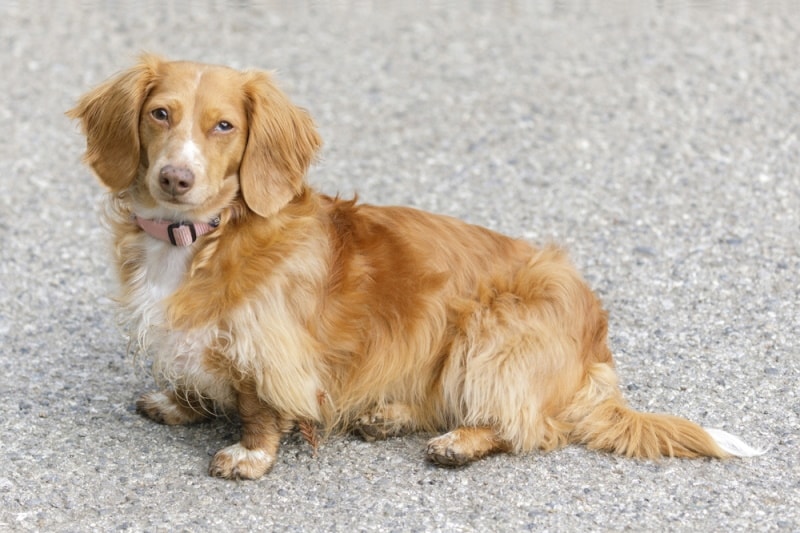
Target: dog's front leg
(255,453)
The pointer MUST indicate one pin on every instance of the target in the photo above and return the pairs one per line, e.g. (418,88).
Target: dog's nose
(175,180)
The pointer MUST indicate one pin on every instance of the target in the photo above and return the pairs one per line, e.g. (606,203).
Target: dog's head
(185,138)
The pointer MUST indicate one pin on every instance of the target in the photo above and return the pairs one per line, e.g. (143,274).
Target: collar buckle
(182,234)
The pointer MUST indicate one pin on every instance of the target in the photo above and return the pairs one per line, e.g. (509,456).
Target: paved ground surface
(657,141)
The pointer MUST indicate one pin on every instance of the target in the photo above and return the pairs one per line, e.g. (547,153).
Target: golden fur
(301,308)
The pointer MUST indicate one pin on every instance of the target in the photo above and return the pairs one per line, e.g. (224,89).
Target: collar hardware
(176,233)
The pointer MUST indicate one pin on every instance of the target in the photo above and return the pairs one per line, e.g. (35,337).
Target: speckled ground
(657,141)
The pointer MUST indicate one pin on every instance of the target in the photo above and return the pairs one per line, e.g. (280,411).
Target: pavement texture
(657,141)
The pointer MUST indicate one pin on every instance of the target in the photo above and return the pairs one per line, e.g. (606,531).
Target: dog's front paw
(165,408)
(237,462)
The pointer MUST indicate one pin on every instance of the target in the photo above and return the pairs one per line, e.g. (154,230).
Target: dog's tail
(602,420)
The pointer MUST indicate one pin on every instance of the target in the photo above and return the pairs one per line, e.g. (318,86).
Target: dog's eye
(160,114)
(224,126)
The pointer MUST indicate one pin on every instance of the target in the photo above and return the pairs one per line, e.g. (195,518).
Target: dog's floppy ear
(281,144)
(109,116)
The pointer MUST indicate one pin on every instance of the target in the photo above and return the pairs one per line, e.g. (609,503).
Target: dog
(255,295)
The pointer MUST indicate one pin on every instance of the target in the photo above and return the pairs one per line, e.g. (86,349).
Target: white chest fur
(155,278)
(164,268)
(177,356)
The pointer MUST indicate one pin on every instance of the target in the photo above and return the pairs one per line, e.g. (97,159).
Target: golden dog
(254,294)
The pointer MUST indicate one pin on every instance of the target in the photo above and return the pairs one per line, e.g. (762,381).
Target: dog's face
(193,133)
(184,139)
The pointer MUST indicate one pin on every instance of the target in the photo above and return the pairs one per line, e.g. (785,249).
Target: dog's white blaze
(192,155)
(190,152)
(733,445)
(199,76)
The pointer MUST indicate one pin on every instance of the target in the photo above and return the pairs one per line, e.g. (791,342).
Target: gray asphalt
(657,141)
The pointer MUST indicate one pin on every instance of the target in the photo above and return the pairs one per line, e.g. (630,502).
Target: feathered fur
(305,309)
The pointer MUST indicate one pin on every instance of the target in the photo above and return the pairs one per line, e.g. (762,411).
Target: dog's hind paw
(445,450)
(464,445)
(389,421)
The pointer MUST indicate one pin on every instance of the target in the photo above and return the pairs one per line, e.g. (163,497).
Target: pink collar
(176,233)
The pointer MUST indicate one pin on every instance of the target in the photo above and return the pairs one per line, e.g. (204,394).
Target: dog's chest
(177,355)
(163,270)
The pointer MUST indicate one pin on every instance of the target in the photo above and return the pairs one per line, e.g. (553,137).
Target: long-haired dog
(255,295)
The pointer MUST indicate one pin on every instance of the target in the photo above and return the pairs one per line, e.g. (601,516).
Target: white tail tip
(733,445)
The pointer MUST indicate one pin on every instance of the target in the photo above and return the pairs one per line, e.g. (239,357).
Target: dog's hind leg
(464,445)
